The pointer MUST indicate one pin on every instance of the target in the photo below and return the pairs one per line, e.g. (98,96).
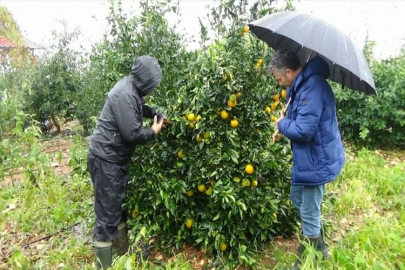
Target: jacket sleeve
(127,116)
(310,107)
(148,112)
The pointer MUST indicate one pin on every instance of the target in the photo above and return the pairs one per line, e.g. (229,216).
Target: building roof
(5,43)
(31,44)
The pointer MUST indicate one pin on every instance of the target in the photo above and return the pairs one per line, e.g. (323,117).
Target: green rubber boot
(103,252)
(120,242)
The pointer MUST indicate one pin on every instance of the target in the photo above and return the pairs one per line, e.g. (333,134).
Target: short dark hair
(283,59)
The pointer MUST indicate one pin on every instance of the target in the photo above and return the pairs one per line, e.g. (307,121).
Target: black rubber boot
(301,249)
(317,242)
(120,242)
(103,257)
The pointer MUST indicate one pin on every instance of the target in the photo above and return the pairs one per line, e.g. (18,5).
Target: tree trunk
(55,123)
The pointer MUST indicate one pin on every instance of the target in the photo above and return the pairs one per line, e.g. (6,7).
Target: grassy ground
(47,214)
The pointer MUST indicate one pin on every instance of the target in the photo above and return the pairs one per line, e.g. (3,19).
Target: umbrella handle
(286,106)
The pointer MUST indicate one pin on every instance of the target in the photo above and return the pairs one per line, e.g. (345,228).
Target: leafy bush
(54,81)
(112,59)
(193,185)
(376,120)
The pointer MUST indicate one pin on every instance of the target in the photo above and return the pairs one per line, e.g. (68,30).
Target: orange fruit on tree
(246,29)
(254,183)
(234,123)
(276,97)
(249,169)
(189,223)
(223,246)
(231,104)
(273,118)
(180,154)
(190,193)
(238,95)
(198,138)
(283,93)
(245,182)
(224,114)
(201,187)
(268,110)
(207,135)
(191,117)
(198,118)
(133,213)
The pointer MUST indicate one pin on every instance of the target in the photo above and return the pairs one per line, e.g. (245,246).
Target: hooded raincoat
(119,129)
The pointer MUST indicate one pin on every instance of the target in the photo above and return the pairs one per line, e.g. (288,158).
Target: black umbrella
(308,36)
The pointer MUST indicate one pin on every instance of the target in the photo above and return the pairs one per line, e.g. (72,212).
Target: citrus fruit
(191,117)
(249,169)
(254,183)
(231,104)
(223,246)
(224,114)
(234,123)
(189,223)
(201,188)
(283,93)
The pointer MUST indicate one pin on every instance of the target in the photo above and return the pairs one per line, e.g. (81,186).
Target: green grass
(364,214)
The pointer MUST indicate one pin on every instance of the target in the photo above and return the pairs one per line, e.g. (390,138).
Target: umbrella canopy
(308,36)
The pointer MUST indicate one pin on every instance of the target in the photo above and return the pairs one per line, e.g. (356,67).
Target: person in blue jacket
(312,127)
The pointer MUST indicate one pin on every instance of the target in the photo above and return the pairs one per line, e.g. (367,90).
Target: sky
(380,20)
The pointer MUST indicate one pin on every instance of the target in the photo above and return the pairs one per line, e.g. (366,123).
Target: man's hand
(277,136)
(157,127)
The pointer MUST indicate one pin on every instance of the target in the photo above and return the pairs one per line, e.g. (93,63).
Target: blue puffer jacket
(312,127)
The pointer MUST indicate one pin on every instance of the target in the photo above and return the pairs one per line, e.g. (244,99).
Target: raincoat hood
(316,66)
(147,74)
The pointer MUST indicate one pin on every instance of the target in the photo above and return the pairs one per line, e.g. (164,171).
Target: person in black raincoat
(119,129)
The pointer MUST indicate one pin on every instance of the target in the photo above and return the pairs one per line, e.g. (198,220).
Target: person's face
(284,80)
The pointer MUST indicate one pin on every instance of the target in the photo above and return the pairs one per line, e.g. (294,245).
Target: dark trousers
(110,182)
